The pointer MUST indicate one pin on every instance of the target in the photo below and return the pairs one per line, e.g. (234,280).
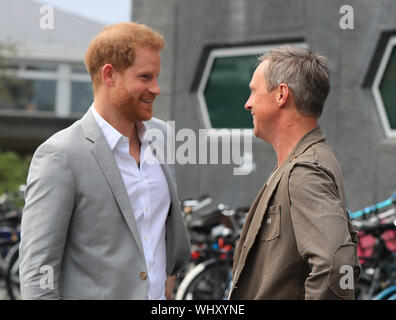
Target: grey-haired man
(297,242)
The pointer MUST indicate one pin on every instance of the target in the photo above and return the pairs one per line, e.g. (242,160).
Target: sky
(105,11)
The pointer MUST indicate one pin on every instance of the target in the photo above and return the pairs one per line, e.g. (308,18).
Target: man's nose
(155,89)
(248,105)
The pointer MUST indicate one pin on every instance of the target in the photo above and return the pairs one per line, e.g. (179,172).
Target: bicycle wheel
(366,287)
(386,293)
(208,280)
(392,297)
(12,274)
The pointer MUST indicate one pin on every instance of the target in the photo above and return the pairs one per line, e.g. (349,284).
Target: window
(224,86)
(27,94)
(227,90)
(384,89)
(81,96)
(58,88)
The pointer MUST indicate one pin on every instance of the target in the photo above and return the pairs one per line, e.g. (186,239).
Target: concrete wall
(350,120)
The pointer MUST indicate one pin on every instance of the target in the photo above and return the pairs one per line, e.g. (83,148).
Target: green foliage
(13,171)
(11,86)
(13,168)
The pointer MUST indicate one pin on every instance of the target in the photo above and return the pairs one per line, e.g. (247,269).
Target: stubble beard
(126,105)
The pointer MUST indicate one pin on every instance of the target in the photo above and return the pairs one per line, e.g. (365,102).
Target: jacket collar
(313,136)
(95,127)
(90,127)
(105,159)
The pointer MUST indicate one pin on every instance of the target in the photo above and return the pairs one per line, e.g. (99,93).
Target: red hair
(116,45)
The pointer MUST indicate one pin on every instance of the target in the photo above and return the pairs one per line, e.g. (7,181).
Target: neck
(111,114)
(289,133)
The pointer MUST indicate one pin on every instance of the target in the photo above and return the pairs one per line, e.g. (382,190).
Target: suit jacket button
(143,275)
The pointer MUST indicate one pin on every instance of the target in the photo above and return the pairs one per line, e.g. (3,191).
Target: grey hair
(305,73)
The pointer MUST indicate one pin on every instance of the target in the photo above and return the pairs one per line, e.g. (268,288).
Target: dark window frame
(208,57)
(375,87)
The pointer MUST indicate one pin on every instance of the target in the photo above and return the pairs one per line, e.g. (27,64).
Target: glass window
(78,68)
(387,89)
(82,96)
(227,90)
(383,89)
(40,66)
(34,85)
(224,86)
(27,94)
(12,66)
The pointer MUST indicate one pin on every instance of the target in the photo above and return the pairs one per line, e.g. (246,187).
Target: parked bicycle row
(10,220)
(213,234)
(376,225)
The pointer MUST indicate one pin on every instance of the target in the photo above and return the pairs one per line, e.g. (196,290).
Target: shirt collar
(112,135)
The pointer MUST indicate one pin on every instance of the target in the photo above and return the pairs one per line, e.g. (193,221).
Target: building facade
(211,52)
(44,86)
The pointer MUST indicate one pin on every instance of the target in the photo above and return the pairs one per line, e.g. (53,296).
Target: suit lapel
(108,165)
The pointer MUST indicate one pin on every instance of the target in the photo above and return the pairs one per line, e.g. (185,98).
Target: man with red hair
(102,217)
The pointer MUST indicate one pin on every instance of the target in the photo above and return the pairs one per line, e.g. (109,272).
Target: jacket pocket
(270,226)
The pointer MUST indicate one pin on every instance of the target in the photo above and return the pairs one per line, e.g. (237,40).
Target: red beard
(130,108)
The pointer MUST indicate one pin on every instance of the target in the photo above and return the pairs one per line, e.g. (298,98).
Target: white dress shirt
(149,195)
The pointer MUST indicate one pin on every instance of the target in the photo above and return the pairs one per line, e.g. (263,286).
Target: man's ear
(108,75)
(282,94)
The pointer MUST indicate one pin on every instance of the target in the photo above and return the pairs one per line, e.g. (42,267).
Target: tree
(14,92)
(13,173)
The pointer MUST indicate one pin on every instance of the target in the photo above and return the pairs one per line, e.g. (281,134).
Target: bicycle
(10,219)
(12,280)
(211,278)
(213,235)
(376,225)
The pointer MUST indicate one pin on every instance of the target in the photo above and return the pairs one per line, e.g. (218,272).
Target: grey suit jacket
(79,238)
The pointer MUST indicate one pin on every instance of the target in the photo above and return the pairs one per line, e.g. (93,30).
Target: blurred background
(211,51)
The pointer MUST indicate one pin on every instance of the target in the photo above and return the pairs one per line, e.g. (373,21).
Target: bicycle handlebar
(373,208)
(193,205)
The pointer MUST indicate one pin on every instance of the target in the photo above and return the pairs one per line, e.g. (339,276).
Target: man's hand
(169,285)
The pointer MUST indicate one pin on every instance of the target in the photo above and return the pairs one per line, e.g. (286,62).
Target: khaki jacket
(297,241)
